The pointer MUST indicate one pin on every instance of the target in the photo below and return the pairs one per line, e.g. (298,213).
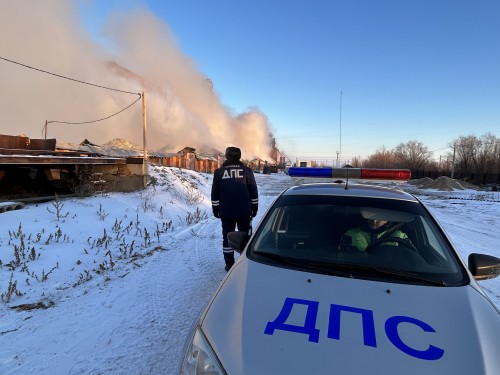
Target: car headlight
(199,358)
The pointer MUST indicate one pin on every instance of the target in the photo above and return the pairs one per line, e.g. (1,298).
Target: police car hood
(270,320)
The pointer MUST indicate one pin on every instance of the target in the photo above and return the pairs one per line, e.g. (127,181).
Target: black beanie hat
(233,153)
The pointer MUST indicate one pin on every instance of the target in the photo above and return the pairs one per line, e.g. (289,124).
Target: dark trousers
(229,225)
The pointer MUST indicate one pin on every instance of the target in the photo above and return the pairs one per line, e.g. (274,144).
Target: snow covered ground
(112,284)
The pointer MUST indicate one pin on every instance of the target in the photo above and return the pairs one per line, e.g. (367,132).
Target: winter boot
(229,259)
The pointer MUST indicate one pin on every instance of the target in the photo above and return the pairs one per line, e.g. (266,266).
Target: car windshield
(369,238)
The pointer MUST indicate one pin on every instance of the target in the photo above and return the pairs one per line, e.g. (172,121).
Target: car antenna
(347,179)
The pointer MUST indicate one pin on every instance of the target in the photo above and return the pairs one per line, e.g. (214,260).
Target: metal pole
(340,140)
(145,151)
(453,162)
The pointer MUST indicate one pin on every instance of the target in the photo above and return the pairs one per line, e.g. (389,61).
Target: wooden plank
(13,141)
(42,144)
(17,151)
(135,160)
(52,160)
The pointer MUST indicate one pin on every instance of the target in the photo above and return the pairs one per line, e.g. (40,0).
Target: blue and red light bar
(355,173)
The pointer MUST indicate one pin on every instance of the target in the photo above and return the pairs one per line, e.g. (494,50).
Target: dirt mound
(442,183)
(421,181)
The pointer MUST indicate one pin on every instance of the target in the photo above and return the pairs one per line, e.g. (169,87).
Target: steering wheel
(400,241)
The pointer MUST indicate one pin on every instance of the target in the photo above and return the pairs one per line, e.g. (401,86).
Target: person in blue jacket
(235,198)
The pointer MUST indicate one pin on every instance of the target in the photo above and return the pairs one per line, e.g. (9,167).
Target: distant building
(304,163)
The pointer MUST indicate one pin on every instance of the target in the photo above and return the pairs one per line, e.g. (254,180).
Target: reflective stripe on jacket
(234,190)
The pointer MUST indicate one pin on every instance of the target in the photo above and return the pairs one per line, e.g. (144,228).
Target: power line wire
(76,80)
(440,149)
(68,78)
(87,122)
(90,122)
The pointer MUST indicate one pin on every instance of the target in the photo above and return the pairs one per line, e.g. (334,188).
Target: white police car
(304,299)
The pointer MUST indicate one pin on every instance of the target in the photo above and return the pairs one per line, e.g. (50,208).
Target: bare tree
(356,161)
(413,155)
(486,154)
(382,158)
(464,149)
(445,162)
(497,157)
(433,165)
(470,154)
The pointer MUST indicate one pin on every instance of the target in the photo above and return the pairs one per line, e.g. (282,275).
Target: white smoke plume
(183,110)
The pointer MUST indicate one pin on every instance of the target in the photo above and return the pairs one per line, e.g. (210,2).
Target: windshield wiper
(276,257)
(332,268)
(405,275)
(350,270)
(394,273)
(302,263)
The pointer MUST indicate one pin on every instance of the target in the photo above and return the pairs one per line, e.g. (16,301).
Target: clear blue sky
(425,70)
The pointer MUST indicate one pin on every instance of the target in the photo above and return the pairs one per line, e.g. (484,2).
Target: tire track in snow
(167,302)
(166,284)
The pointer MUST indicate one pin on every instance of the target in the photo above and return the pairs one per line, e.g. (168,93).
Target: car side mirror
(237,240)
(484,266)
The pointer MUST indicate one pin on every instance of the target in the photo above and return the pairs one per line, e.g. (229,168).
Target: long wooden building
(36,167)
